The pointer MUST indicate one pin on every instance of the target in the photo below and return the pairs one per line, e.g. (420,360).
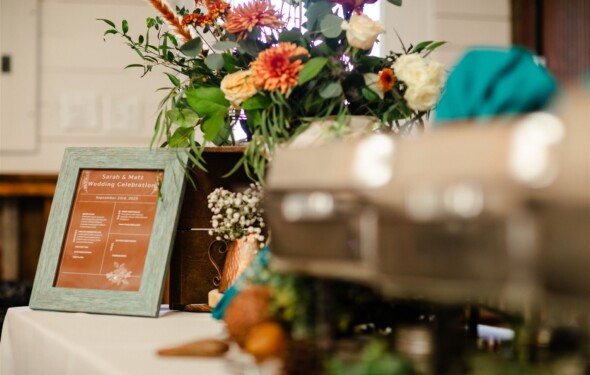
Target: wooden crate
(191,271)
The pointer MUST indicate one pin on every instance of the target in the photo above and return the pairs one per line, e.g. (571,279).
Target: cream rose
(423,97)
(411,69)
(436,73)
(362,31)
(424,80)
(237,87)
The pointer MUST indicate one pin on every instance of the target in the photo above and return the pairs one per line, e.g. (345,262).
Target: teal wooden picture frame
(147,299)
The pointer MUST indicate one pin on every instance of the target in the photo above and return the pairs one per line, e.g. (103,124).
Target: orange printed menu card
(109,229)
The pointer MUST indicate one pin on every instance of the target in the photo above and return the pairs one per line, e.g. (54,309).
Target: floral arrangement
(273,70)
(236,215)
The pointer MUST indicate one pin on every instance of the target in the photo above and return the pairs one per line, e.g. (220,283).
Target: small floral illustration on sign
(158,184)
(119,275)
(85,178)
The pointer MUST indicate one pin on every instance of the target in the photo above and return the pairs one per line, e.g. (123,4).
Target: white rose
(424,80)
(422,97)
(436,73)
(362,31)
(411,69)
(237,87)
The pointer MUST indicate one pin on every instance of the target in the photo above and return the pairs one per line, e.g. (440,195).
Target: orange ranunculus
(386,79)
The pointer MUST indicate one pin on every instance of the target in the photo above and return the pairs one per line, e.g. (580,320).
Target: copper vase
(240,253)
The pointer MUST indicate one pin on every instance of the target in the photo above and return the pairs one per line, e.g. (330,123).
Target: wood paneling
(557,30)
(25,201)
(191,271)
(32,229)
(27,185)
(524,24)
(566,37)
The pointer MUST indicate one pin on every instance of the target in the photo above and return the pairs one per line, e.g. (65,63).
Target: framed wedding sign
(110,232)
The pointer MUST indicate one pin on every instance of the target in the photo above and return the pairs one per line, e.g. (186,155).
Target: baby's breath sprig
(236,215)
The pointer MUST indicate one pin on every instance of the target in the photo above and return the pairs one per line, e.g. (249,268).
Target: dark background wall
(559,30)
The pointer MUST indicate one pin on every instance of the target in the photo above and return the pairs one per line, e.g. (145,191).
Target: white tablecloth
(43,342)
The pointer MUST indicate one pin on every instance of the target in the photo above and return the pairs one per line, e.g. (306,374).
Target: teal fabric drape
(488,82)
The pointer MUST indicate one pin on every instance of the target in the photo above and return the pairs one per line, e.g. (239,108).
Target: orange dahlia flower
(277,68)
(257,13)
(386,79)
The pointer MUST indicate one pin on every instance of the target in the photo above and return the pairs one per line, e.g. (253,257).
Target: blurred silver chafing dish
(499,211)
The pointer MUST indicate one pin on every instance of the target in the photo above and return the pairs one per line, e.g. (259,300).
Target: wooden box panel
(191,271)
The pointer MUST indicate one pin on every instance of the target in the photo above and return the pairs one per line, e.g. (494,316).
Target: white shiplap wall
(85,96)
(462,23)
(19,113)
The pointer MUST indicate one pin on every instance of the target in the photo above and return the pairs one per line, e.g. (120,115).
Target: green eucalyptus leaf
(316,12)
(256,102)
(108,22)
(230,63)
(183,117)
(396,2)
(324,49)
(368,64)
(293,35)
(223,134)
(125,26)
(253,118)
(331,90)
(331,26)
(225,45)
(181,137)
(193,47)
(207,101)
(311,69)
(214,61)
(250,47)
(369,94)
(212,126)
(313,103)
(254,34)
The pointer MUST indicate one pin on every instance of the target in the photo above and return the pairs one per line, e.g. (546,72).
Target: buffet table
(44,342)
